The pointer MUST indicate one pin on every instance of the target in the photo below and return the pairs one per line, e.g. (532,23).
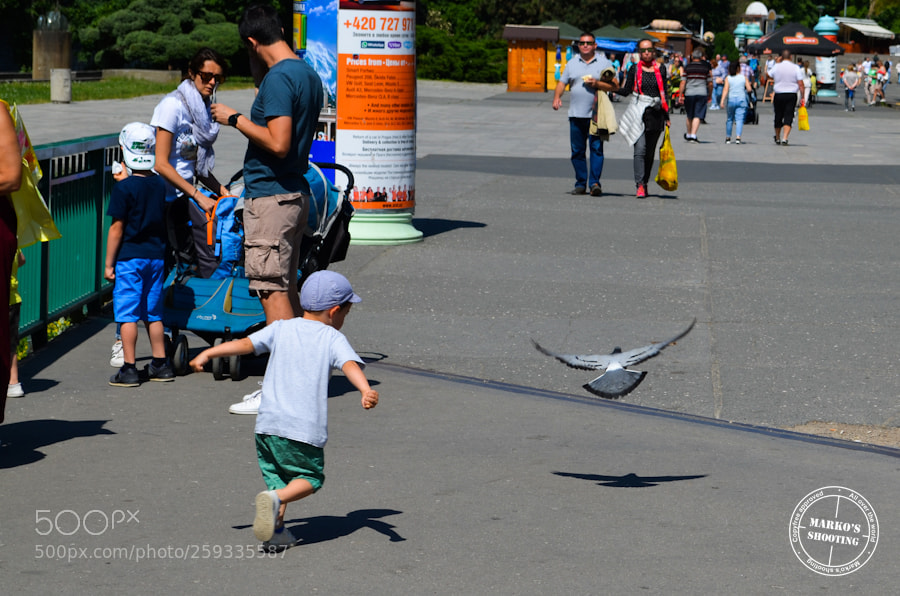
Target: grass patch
(114,88)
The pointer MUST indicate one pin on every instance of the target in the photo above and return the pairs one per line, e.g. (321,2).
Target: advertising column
(376,116)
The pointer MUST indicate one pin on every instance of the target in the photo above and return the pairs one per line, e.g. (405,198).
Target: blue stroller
(217,305)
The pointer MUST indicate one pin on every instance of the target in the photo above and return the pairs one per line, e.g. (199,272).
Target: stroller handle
(340,168)
(322,166)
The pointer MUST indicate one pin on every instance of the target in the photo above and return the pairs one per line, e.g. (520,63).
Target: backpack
(218,237)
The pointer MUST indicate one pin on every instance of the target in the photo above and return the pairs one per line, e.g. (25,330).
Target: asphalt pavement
(486,468)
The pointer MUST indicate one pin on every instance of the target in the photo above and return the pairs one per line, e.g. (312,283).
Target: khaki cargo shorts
(273,231)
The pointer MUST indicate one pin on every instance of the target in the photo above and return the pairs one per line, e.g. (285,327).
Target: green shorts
(282,460)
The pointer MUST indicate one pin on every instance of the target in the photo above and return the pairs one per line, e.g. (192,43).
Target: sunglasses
(647,50)
(585,43)
(208,76)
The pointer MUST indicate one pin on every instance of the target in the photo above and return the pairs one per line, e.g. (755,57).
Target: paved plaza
(486,468)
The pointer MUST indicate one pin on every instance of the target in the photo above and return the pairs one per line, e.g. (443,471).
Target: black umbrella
(797,39)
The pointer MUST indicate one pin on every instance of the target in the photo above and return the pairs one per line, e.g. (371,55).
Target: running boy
(135,250)
(292,425)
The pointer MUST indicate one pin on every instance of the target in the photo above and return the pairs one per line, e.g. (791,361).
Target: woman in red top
(648,78)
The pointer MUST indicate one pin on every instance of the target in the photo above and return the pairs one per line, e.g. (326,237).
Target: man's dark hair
(261,22)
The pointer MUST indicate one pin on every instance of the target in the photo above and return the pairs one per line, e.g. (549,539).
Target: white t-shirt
(302,354)
(172,115)
(786,75)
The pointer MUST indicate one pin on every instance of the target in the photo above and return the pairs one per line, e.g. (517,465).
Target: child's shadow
(311,530)
(330,527)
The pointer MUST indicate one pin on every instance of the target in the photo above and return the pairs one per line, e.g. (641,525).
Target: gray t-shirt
(302,354)
(582,98)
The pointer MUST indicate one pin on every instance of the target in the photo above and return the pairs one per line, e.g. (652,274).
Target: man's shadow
(322,528)
(20,441)
(628,480)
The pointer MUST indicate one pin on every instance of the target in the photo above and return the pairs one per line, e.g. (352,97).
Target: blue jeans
(736,114)
(717,95)
(579,137)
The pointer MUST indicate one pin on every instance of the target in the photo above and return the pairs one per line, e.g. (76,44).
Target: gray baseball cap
(324,289)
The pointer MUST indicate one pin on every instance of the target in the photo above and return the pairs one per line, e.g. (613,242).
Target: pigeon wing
(615,383)
(585,362)
(640,354)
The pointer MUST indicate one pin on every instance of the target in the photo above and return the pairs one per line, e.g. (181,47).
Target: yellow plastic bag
(803,118)
(667,177)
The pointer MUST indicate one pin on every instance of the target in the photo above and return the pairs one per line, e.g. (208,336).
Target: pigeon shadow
(322,528)
(20,441)
(628,480)
(434,226)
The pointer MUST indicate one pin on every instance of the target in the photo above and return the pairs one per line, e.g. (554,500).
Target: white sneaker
(248,405)
(267,505)
(117,358)
(15,390)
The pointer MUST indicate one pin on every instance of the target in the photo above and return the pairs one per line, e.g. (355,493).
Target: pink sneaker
(641,192)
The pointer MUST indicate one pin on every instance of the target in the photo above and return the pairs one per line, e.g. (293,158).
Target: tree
(158,34)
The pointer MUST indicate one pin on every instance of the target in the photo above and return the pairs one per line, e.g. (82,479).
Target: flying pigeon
(617,380)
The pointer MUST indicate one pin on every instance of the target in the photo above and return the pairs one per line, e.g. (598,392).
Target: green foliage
(158,34)
(440,55)
(724,44)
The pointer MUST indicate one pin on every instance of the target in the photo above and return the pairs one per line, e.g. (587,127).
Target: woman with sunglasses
(647,80)
(185,133)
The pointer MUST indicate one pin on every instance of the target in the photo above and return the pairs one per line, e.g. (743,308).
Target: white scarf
(204,128)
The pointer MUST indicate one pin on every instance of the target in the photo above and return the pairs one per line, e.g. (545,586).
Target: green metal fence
(65,275)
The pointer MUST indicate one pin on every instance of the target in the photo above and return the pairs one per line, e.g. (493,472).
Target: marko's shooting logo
(834,531)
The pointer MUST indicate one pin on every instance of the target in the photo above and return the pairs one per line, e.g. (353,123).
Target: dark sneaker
(161,373)
(281,539)
(578,190)
(126,377)
(596,190)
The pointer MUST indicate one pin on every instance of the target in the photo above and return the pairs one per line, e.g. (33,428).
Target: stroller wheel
(180,356)
(234,368)
(217,363)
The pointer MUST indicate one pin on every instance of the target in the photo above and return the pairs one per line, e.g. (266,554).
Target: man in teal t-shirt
(280,131)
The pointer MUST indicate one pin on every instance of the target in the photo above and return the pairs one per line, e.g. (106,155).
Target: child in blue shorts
(135,250)
(292,424)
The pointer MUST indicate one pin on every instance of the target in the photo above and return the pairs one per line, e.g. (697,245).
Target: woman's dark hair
(733,67)
(202,56)
(261,22)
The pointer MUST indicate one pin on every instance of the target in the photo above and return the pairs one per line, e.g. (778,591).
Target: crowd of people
(659,82)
